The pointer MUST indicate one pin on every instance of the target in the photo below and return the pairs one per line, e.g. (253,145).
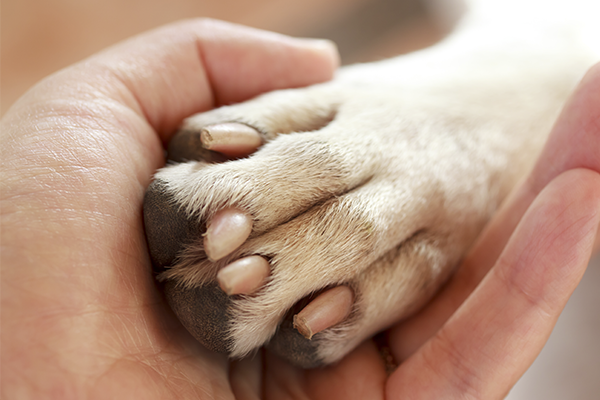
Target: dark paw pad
(168,227)
(203,312)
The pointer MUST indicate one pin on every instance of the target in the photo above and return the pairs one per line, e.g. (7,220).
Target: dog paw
(307,220)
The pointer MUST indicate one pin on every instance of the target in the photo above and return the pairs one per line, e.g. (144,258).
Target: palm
(144,351)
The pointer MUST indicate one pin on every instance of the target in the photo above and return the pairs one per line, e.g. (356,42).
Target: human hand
(82,316)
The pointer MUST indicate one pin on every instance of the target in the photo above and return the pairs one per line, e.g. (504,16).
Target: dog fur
(382,178)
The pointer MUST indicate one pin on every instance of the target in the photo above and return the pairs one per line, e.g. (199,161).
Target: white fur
(382,178)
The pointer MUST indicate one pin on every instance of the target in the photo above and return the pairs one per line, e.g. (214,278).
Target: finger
(196,65)
(493,338)
(191,66)
(575,138)
(409,335)
(573,143)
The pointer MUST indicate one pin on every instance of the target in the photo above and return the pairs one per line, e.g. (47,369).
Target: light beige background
(42,36)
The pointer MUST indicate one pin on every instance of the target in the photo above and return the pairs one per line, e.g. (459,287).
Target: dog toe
(244,276)
(227,230)
(187,145)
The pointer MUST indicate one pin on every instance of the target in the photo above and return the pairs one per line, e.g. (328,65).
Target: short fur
(382,178)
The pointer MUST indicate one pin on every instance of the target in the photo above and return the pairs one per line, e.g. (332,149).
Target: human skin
(83,318)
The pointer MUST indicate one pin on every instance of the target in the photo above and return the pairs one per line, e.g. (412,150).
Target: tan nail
(227,231)
(232,139)
(244,276)
(328,309)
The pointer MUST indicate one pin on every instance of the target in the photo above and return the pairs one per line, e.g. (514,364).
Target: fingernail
(244,276)
(232,139)
(326,310)
(227,231)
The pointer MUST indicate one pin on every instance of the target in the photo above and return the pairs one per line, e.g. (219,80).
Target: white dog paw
(309,219)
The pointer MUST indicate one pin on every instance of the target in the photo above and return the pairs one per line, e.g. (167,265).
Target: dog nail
(226,232)
(231,139)
(329,308)
(244,276)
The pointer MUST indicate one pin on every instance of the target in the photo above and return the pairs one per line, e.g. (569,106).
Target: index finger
(172,72)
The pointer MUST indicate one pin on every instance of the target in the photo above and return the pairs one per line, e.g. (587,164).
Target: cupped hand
(81,315)
(83,318)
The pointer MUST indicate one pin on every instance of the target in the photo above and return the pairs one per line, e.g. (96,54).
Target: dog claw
(232,139)
(243,276)
(328,309)
(228,230)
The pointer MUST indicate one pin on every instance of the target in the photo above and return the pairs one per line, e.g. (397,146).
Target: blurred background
(40,37)
(43,36)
